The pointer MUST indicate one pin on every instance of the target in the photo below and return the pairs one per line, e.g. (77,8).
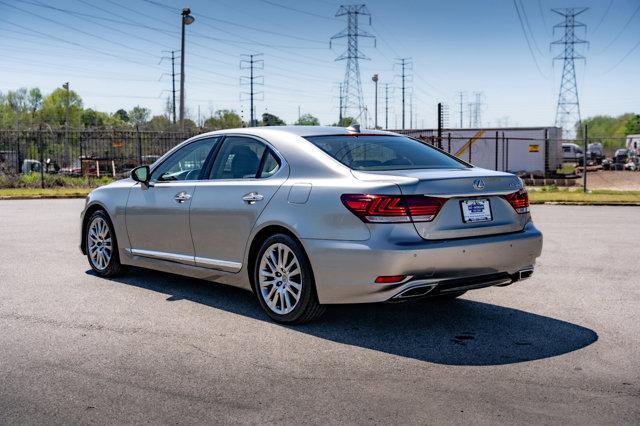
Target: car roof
(303,131)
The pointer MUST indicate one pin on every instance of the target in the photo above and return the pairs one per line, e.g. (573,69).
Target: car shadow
(457,332)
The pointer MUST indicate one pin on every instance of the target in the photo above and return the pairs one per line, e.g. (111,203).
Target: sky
(113,53)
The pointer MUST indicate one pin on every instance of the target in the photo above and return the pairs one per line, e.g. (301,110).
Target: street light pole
(187,19)
(375,113)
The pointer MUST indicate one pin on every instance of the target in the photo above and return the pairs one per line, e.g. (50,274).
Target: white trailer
(533,151)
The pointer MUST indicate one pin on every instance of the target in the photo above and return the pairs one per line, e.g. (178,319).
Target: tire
(102,256)
(283,281)
(447,296)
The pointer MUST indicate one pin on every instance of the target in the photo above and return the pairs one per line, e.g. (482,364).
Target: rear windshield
(384,153)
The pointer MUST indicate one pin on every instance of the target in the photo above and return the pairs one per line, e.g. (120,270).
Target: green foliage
(271,120)
(224,119)
(54,108)
(612,129)
(308,120)
(632,126)
(345,122)
(32,180)
(122,115)
(158,123)
(139,115)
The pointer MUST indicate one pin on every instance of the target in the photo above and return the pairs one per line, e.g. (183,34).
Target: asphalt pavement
(561,347)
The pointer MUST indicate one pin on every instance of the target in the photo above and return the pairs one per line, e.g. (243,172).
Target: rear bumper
(345,271)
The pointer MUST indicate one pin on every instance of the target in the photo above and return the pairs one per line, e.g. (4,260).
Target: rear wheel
(283,281)
(102,246)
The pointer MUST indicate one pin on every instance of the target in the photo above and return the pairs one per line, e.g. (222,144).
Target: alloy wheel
(280,278)
(99,243)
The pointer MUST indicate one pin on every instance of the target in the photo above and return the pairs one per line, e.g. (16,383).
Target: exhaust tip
(525,273)
(415,291)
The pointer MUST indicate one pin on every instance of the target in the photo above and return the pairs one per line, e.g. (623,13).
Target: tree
(34,100)
(158,123)
(632,126)
(308,120)
(139,115)
(609,130)
(90,118)
(224,119)
(271,120)
(123,115)
(344,122)
(54,108)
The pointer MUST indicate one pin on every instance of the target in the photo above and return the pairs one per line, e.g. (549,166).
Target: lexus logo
(478,184)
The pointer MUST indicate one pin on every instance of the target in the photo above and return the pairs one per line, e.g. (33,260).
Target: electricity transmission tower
(568,108)
(252,64)
(351,86)
(173,81)
(462,96)
(477,109)
(405,65)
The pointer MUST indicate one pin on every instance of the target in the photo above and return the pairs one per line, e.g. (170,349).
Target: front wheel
(102,246)
(283,281)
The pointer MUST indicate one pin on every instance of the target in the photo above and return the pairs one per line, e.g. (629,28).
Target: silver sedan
(310,216)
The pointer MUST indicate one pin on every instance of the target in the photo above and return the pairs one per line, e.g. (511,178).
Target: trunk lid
(457,186)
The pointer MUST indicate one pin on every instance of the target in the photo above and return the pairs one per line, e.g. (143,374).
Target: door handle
(252,197)
(181,197)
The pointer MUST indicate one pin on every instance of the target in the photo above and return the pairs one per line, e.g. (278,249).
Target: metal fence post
(139,145)
(584,165)
(41,149)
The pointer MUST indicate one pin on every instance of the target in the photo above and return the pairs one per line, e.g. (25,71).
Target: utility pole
(173,81)
(375,113)
(568,107)
(187,19)
(386,106)
(252,64)
(66,126)
(405,65)
(353,98)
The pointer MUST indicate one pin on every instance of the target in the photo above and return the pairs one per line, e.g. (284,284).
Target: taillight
(519,200)
(393,208)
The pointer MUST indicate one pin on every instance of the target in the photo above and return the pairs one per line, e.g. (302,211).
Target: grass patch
(577,196)
(26,193)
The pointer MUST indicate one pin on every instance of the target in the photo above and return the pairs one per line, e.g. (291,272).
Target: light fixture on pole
(375,113)
(187,19)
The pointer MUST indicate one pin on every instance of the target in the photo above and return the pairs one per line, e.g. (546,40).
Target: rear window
(384,153)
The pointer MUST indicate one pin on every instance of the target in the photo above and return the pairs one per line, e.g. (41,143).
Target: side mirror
(141,174)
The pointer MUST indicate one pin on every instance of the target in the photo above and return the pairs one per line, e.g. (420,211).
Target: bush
(33,180)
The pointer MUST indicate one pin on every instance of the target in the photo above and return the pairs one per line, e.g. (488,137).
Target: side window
(270,166)
(186,163)
(239,158)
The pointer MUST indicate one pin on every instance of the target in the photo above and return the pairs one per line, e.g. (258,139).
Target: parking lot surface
(561,347)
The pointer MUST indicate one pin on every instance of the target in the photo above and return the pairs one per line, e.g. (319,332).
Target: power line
(623,58)
(273,3)
(606,12)
(624,27)
(526,37)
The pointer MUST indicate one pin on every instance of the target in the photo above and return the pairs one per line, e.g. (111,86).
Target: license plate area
(476,210)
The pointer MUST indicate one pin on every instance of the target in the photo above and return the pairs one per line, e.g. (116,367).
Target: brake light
(393,208)
(519,200)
